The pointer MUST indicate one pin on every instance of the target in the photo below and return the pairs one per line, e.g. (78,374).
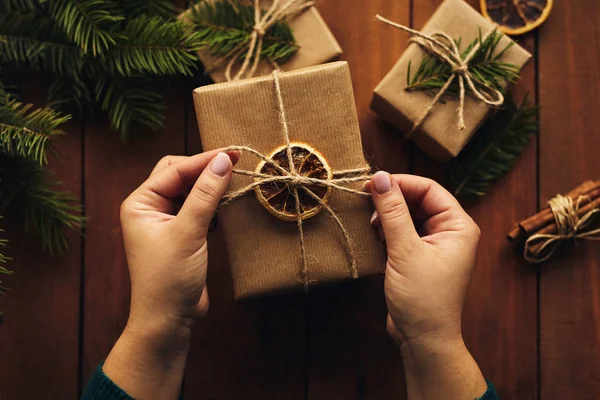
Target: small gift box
(434,124)
(314,42)
(289,230)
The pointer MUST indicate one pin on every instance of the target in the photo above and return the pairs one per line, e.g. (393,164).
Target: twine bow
(297,182)
(253,46)
(450,54)
(569,226)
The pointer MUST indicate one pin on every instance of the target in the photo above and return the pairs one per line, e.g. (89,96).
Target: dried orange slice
(278,197)
(515,17)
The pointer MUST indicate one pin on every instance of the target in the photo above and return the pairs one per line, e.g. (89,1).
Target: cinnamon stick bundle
(543,222)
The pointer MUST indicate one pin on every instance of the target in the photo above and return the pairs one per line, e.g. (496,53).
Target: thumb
(396,222)
(204,198)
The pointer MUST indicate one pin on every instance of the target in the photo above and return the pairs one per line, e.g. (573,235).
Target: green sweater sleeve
(490,393)
(101,387)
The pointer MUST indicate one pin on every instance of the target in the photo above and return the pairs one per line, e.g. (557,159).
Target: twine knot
(260,31)
(279,10)
(297,183)
(569,226)
(446,50)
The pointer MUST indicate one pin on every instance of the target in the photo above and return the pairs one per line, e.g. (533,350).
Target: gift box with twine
(442,126)
(295,215)
(315,42)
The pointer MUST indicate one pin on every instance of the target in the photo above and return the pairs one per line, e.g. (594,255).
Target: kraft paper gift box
(264,251)
(316,43)
(439,135)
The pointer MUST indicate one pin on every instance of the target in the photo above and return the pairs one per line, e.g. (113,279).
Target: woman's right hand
(431,243)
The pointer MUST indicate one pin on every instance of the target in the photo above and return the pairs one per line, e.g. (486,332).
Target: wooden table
(534,331)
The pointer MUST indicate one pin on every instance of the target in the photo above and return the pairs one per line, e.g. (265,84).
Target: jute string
(297,182)
(450,54)
(569,226)
(252,47)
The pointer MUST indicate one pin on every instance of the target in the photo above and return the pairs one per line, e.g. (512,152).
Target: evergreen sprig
(154,46)
(130,100)
(226,26)
(80,42)
(26,191)
(494,149)
(27,132)
(486,66)
(88,23)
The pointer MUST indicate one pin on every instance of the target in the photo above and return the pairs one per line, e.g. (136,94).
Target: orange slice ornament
(516,17)
(278,197)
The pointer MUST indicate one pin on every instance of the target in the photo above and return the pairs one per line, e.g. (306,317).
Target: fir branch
(90,24)
(27,132)
(128,101)
(46,209)
(225,27)
(153,45)
(65,92)
(494,149)
(42,48)
(485,66)
(150,8)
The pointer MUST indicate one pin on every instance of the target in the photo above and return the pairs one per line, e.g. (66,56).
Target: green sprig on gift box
(485,66)
(225,26)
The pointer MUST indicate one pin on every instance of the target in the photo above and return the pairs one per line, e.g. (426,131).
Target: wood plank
(499,322)
(40,333)
(350,353)
(569,86)
(253,349)
(113,169)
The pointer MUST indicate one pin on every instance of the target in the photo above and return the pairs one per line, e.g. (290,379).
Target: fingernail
(374,216)
(221,164)
(382,182)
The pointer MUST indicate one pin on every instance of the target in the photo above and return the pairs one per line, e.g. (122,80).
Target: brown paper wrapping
(317,46)
(264,252)
(439,135)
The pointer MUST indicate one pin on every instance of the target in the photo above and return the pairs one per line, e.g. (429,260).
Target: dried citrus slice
(278,197)
(515,17)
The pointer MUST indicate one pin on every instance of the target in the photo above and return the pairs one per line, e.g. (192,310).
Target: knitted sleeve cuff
(101,387)
(490,393)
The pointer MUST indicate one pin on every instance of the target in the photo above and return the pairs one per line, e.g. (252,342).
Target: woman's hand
(167,256)
(166,251)
(431,243)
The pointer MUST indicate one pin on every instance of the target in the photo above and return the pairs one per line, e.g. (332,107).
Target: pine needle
(485,66)
(3,261)
(44,207)
(153,45)
(128,101)
(225,27)
(27,132)
(494,149)
(89,23)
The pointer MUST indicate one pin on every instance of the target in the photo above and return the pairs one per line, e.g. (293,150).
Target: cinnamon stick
(552,229)
(544,218)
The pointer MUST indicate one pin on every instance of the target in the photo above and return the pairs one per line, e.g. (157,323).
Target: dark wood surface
(534,331)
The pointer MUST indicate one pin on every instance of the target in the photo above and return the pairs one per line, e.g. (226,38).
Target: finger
(165,162)
(159,191)
(393,213)
(205,196)
(437,208)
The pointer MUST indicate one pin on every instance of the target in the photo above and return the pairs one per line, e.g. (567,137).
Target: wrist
(160,335)
(432,346)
